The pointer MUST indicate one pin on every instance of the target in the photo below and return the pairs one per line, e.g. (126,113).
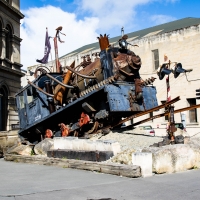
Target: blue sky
(84,20)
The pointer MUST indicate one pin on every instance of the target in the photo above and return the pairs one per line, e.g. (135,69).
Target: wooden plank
(131,171)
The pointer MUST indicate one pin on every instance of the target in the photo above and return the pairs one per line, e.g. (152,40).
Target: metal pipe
(41,90)
(81,75)
(58,65)
(50,99)
(56,54)
(51,77)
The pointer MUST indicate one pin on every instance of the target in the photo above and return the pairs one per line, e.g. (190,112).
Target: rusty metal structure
(88,97)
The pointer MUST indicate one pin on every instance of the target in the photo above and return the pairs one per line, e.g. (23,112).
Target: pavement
(21,181)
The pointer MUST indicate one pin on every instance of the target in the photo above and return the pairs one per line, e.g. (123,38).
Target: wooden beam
(132,171)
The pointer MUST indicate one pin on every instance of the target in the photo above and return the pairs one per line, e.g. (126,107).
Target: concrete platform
(73,143)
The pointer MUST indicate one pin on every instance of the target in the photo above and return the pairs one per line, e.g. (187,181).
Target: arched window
(3,108)
(0,37)
(8,42)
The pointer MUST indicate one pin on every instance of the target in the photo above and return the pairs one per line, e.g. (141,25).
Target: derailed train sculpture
(86,98)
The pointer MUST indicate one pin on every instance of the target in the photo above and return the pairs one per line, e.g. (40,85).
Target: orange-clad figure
(60,90)
(64,130)
(48,133)
(85,119)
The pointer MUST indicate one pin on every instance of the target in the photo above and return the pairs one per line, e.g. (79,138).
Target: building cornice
(8,69)
(11,71)
(18,64)
(16,39)
(20,15)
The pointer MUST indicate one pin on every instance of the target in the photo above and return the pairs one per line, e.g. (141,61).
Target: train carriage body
(100,93)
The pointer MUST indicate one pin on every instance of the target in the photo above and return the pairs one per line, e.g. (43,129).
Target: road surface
(19,181)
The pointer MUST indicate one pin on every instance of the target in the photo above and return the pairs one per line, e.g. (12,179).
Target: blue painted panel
(118,97)
(149,94)
(45,113)
(36,109)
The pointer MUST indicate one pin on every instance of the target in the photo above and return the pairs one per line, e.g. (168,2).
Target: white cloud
(33,30)
(101,16)
(112,13)
(161,19)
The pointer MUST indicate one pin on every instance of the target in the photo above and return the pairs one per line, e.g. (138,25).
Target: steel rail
(144,112)
(165,114)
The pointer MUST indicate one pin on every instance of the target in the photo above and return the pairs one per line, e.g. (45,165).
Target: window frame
(33,94)
(156,62)
(1,42)
(21,100)
(192,113)
(8,42)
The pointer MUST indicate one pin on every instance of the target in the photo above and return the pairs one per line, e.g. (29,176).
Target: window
(193,112)
(21,100)
(165,110)
(3,108)
(155,58)
(0,39)
(31,94)
(8,43)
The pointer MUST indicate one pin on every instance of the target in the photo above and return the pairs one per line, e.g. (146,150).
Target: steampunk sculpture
(88,97)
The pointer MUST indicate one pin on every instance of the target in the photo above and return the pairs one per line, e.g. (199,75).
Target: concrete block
(73,143)
(88,145)
(144,160)
(63,142)
(78,144)
(108,145)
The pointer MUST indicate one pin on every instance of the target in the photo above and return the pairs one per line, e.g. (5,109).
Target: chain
(98,85)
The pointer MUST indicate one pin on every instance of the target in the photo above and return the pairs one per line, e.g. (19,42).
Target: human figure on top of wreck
(130,71)
(128,62)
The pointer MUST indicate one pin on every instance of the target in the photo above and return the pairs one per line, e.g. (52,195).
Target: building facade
(10,67)
(180,41)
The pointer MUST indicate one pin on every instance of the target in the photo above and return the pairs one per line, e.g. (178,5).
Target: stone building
(10,68)
(180,41)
